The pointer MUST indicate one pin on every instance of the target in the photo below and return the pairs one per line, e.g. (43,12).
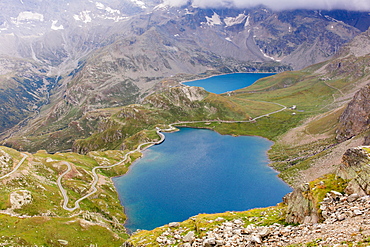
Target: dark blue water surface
(224,83)
(198,171)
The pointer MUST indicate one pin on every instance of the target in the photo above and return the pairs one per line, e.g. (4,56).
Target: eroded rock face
(5,162)
(177,96)
(355,168)
(300,207)
(356,117)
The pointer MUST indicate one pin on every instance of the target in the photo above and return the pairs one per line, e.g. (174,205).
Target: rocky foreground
(346,223)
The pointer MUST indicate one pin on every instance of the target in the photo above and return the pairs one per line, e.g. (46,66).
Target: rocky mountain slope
(24,87)
(70,92)
(117,52)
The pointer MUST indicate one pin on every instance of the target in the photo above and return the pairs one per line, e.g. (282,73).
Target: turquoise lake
(224,83)
(198,171)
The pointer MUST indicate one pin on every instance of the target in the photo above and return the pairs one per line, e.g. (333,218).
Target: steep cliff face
(355,169)
(356,117)
(301,208)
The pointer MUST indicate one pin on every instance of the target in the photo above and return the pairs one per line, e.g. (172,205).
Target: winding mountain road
(93,188)
(235,121)
(25,156)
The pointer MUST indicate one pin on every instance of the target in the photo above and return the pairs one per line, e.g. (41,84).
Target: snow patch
(27,16)
(141,4)
(83,16)
(99,5)
(331,18)
(114,18)
(112,11)
(214,20)
(55,27)
(161,6)
(272,58)
(247,23)
(231,21)
(106,8)
(4,26)
(188,12)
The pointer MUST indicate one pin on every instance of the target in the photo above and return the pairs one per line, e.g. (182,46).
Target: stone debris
(338,207)
(5,162)
(20,198)
(345,218)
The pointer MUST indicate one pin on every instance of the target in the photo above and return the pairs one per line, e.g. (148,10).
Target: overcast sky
(362,5)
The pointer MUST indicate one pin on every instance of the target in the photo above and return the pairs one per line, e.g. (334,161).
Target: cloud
(357,5)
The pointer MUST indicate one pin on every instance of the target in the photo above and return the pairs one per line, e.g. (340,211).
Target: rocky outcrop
(184,96)
(356,117)
(355,168)
(301,208)
(347,219)
(5,162)
(20,198)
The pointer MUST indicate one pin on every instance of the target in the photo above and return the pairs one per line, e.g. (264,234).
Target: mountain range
(65,61)
(84,83)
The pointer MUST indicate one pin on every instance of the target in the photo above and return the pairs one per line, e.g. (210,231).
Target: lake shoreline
(224,83)
(245,207)
(221,74)
(177,129)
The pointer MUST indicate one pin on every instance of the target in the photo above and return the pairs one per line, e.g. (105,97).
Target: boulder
(299,206)
(256,239)
(264,232)
(174,224)
(352,197)
(189,237)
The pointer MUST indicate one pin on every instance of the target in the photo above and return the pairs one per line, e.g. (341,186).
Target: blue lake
(198,171)
(224,83)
